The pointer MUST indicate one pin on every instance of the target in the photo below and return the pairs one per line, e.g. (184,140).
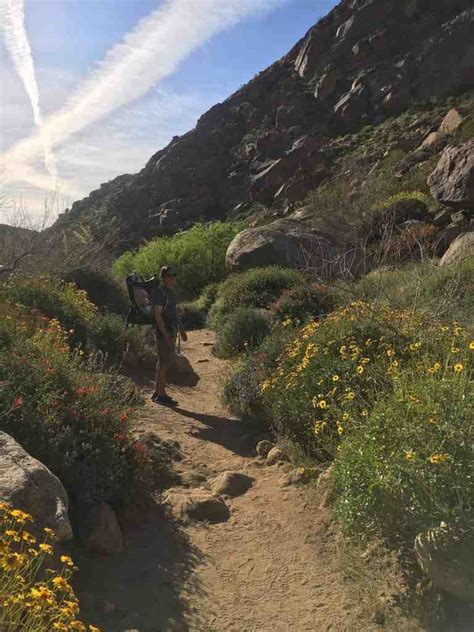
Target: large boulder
(446,556)
(284,243)
(27,484)
(452,181)
(460,249)
(197,505)
(231,483)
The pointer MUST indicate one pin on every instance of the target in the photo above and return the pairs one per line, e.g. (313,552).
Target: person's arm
(160,323)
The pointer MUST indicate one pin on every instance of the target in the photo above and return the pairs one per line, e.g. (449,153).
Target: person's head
(168,276)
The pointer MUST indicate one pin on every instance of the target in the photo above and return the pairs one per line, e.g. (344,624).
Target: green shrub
(241,391)
(409,466)
(67,412)
(245,329)
(438,292)
(192,315)
(258,288)
(300,303)
(386,393)
(108,294)
(197,254)
(86,327)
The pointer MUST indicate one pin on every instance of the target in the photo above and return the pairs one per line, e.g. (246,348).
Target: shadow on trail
(147,586)
(232,434)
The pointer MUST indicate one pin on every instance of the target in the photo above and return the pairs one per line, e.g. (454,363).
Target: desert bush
(35,587)
(197,254)
(300,303)
(438,292)
(87,328)
(241,390)
(409,464)
(107,293)
(257,288)
(245,329)
(192,315)
(386,393)
(66,411)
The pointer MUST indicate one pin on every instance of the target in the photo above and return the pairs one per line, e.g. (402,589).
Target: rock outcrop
(461,248)
(27,484)
(270,142)
(452,182)
(446,556)
(283,243)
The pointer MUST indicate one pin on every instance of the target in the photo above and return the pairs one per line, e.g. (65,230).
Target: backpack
(139,293)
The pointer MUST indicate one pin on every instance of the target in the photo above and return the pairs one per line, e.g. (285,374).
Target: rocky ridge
(275,139)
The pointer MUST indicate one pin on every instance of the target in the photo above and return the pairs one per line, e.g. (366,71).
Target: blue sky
(107,103)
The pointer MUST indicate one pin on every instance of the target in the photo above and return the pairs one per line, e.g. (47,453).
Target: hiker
(167,325)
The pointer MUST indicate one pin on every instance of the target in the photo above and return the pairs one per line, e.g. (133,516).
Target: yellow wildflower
(439,458)
(335,378)
(65,559)
(409,455)
(61,584)
(459,367)
(28,537)
(21,516)
(360,369)
(322,404)
(46,548)
(471,345)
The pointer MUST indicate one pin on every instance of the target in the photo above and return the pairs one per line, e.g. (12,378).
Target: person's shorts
(165,352)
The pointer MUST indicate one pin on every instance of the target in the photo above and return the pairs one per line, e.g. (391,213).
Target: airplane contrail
(147,54)
(15,38)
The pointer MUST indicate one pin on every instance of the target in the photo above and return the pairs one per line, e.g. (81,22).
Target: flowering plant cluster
(35,590)
(66,410)
(387,395)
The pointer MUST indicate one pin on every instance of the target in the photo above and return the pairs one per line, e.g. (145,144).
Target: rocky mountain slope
(278,137)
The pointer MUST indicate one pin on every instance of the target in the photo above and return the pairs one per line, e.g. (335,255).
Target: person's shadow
(233,434)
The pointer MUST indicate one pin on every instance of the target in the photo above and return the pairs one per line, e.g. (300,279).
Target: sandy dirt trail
(271,567)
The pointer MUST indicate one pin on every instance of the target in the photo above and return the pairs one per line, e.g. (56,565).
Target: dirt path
(271,567)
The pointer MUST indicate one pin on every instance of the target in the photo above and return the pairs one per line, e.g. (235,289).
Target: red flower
(139,447)
(17,402)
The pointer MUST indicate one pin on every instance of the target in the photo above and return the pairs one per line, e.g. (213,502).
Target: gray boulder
(275,456)
(231,483)
(27,484)
(283,243)
(446,556)
(264,447)
(452,181)
(461,248)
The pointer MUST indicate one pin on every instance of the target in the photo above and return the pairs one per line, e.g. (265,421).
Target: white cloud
(147,54)
(12,29)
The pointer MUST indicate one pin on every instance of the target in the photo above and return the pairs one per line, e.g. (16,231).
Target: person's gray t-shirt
(165,297)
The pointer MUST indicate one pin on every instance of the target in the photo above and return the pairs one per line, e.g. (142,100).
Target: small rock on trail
(197,505)
(231,483)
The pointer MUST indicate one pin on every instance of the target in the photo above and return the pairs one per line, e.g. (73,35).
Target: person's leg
(165,355)
(161,369)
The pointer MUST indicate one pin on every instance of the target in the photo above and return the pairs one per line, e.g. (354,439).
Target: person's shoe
(165,400)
